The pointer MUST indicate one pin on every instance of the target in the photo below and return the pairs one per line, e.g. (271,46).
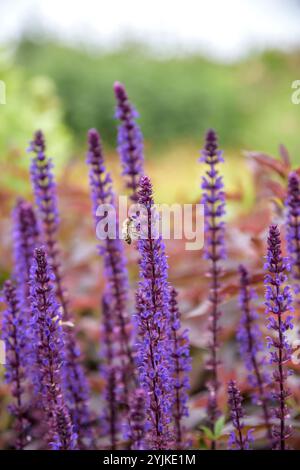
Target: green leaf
(208,433)
(219,425)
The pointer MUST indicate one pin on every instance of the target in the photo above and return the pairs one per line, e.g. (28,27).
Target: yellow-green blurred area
(65,91)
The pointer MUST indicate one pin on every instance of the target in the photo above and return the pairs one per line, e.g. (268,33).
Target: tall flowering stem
(182,366)
(26,235)
(278,304)
(153,322)
(44,188)
(238,439)
(14,335)
(46,320)
(111,248)
(130,141)
(251,347)
(214,203)
(293,226)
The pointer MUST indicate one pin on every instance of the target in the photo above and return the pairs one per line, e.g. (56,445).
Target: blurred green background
(67,90)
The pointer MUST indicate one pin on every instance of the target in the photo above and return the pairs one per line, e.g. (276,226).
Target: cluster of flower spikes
(14,334)
(293,227)
(49,347)
(153,325)
(214,250)
(130,141)
(251,347)
(278,300)
(44,188)
(238,440)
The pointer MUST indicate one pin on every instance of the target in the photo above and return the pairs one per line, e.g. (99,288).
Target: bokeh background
(187,66)
(228,65)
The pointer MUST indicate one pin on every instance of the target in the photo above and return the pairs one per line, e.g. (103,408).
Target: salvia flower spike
(293,227)
(26,235)
(14,335)
(46,320)
(214,206)
(251,347)
(111,248)
(44,188)
(130,141)
(153,323)
(278,306)
(181,364)
(238,440)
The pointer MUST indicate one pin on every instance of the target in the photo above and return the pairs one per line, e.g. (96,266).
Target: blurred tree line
(249,103)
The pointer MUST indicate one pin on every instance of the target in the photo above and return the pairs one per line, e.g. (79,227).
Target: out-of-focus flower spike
(293,227)
(112,250)
(130,141)
(181,363)
(213,199)
(137,420)
(111,410)
(14,335)
(112,415)
(26,236)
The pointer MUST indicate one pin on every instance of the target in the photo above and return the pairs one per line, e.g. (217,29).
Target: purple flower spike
(251,347)
(214,203)
(26,237)
(130,141)
(44,187)
(137,421)
(293,227)
(14,336)
(182,366)
(278,303)
(46,321)
(238,439)
(112,250)
(153,322)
